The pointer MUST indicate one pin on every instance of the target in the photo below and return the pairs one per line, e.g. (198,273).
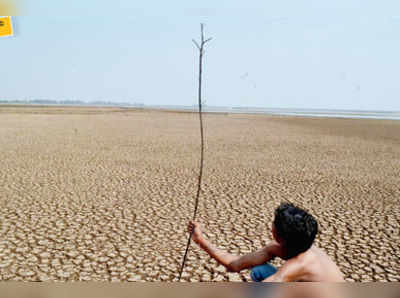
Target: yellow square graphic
(5,26)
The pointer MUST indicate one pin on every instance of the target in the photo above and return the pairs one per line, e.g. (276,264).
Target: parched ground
(105,194)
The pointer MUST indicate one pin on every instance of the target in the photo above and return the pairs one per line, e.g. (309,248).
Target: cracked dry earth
(105,194)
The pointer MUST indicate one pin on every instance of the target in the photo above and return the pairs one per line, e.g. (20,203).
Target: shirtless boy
(293,231)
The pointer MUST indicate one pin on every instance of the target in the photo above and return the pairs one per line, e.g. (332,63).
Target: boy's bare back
(314,265)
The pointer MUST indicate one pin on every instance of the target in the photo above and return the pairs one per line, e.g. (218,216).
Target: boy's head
(294,228)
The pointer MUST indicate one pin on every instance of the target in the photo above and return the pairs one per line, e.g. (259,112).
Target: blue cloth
(259,273)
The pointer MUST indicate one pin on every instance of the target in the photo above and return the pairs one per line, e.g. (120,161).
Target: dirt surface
(98,194)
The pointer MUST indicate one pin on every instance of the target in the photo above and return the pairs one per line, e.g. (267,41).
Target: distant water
(352,114)
(389,115)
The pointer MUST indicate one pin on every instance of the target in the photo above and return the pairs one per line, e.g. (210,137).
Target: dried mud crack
(107,196)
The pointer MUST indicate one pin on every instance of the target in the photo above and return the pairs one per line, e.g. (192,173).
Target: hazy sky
(299,54)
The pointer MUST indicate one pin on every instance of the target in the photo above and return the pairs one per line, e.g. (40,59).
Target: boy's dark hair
(296,227)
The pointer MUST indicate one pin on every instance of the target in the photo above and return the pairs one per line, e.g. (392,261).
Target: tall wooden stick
(201,51)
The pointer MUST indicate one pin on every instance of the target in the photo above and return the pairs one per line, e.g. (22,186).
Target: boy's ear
(275,235)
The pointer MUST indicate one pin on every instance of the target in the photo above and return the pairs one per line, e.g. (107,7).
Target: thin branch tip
(196,44)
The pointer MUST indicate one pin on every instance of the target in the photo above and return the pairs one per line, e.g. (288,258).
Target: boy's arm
(231,262)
